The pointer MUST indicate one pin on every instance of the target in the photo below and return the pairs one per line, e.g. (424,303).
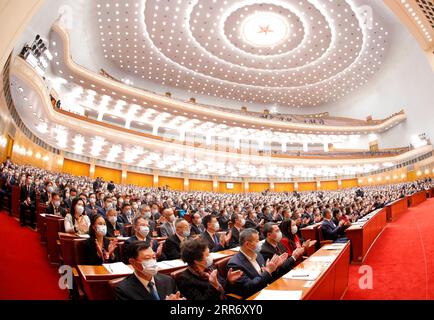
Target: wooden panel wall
(306,186)
(109,174)
(200,185)
(346,184)
(258,187)
(284,187)
(173,183)
(76,168)
(329,185)
(140,179)
(238,188)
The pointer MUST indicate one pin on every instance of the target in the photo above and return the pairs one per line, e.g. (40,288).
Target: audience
(145,283)
(218,222)
(99,249)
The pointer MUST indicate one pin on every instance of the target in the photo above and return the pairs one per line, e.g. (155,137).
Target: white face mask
(243,222)
(186,233)
(113,219)
(172,218)
(216,226)
(147,215)
(150,267)
(294,229)
(209,261)
(79,209)
(144,231)
(56,204)
(92,200)
(101,230)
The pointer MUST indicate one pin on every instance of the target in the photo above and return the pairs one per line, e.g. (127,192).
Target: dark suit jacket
(330,231)
(24,194)
(194,288)
(132,289)
(111,229)
(196,230)
(251,224)
(223,222)
(172,248)
(90,253)
(235,238)
(268,251)
(251,281)
(153,243)
(51,210)
(213,247)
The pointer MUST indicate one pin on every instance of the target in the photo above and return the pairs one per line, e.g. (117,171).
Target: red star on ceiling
(265,30)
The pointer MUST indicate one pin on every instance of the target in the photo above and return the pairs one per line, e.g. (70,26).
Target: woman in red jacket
(290,239)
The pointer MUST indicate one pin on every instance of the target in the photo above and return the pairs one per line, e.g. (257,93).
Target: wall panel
(140,179)
(200,185)
(76,168)
(108,174)
(173,183)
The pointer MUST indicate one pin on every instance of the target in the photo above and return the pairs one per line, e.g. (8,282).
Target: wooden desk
(95,278)
(363,235)
(311,232)
(332,282)
(396,209)
(417,198)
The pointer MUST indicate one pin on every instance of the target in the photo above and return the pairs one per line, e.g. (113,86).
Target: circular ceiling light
(264,29)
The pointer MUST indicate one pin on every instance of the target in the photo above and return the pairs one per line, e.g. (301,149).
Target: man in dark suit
(238,223)
(197,227)
(257,273)
(267,216)
(330,230)
(114,227)
(272,246)
(172,246)
(145,283)
(54,207)
(28,202)
(142,232)
(8,181)
(215,243)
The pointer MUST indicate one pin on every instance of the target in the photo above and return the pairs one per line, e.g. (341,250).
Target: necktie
(216,240)
(153,290)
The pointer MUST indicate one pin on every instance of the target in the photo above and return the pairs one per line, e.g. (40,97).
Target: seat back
(15,201)
(175,274)
(79,254)
(114,283)
(67,246)
(128,229)
(221,266)
(54,226)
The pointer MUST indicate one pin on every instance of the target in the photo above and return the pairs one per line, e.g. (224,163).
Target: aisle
(402,259)
(24,269)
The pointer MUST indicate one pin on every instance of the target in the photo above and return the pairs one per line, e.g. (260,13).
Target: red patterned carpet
(402,259)
(24,269)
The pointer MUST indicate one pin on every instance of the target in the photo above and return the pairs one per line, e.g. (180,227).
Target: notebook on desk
(118,268)
(279,295)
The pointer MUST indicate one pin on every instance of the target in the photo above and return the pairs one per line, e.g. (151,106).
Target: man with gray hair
(257,273)
(172,246)
(167,229)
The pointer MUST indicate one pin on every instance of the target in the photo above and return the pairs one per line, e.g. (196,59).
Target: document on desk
(279,295)
(235,249)
(177,263)
(118,268)
(322,258)
(216,255)
(302,274)
(333,247)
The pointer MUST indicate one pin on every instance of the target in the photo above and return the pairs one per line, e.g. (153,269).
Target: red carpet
(402,259)
(24,269)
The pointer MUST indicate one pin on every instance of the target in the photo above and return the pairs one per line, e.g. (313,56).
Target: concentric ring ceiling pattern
(294,53)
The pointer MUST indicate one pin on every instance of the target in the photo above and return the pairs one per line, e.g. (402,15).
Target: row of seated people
(104,214)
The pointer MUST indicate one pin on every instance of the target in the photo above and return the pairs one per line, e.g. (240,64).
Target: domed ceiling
(289,53)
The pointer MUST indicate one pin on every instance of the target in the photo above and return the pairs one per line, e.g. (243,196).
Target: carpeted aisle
(24,269)
(402,259)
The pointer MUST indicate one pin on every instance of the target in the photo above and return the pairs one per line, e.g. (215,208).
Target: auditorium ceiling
(285,53)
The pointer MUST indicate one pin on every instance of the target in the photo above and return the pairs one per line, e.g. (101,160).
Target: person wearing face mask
(200,281)
(98,249)
(167,229)
(126,216)
(135,208)
(290,239)
(75,221)
(238,223)
(214,241)
(145,283)
(114,227)
(108,204)
(28,202)
(172,246)
(257,273)
(196,226)
(91,208)
(54,207)
(223,220)
(252,221)
(272,246)
(142,232)
(155,212)
(46,192)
